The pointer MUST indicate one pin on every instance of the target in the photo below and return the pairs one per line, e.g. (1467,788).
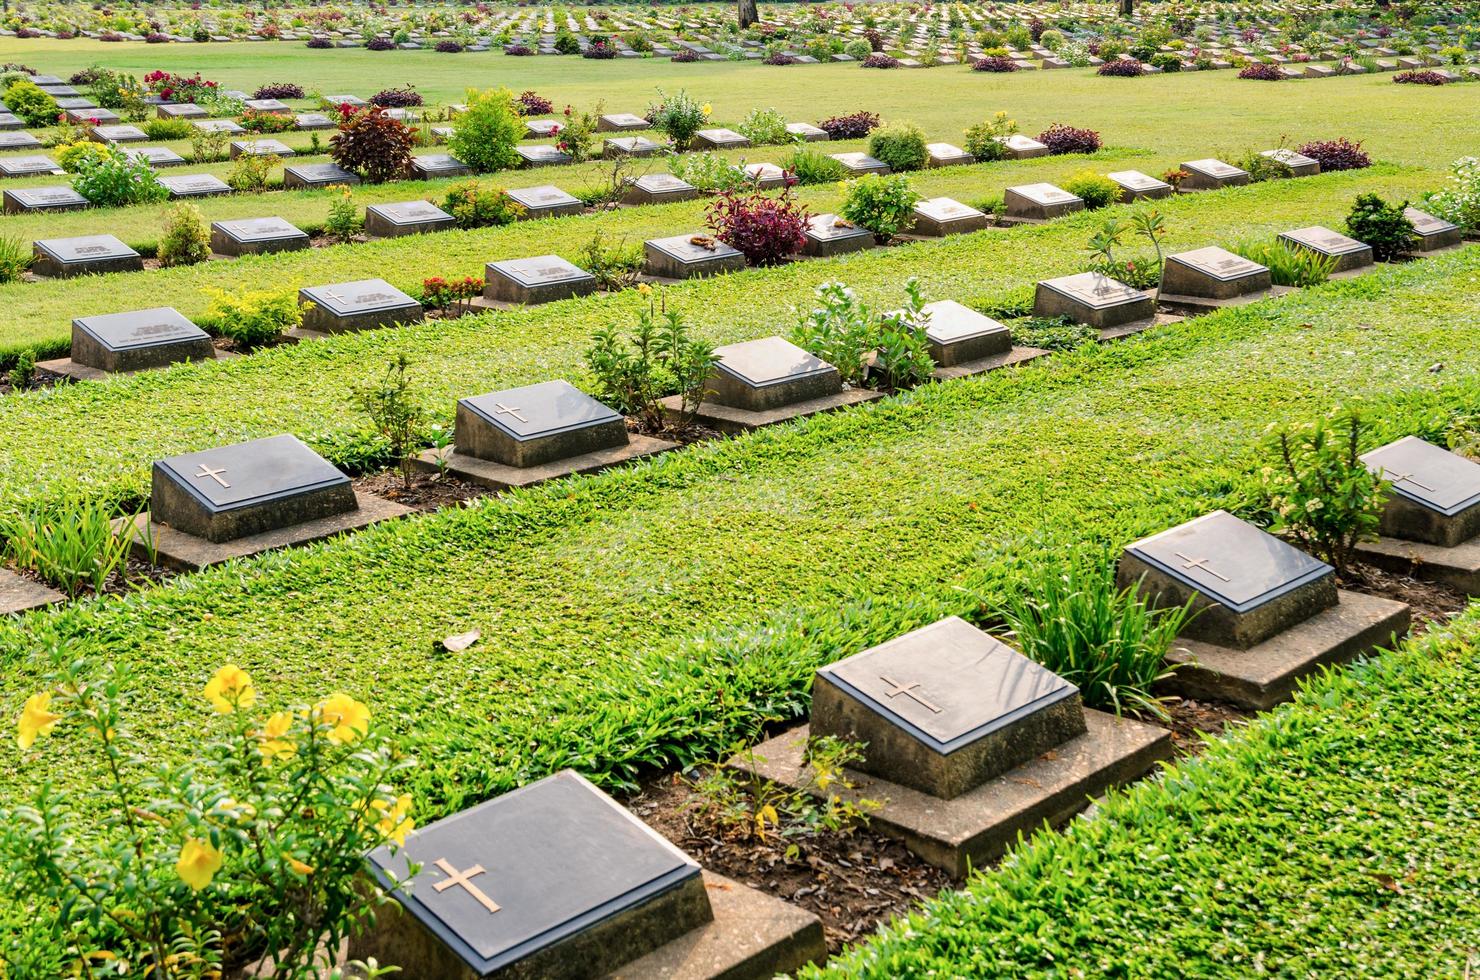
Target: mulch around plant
(426,493)
(1431,602)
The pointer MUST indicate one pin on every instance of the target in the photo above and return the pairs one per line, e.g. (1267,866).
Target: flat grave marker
(690,257)
(194,185)
(406,218)
(260,148)
(620,122)
(1212,273)
(302,175)
(434,166)
(630,146)
(657,189)
(1350,254)
(1209,174)
(808,132)
(84,255)
(18,141)
(21,200)
(940,216)
(1039,202)
(1093,299)
(155,156)
(946,155)
(718,139)
(1298,164)
(1135,186)
(858,164)
(1433,233)
(1020,147)
(364,304)
(138,340)
(829,234)
(541,155)
(546,201)
(255,236)
(1435,493)
(29,166)
(118,134)
(542,279)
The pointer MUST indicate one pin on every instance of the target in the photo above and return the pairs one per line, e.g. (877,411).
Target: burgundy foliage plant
(1338,154)
(373,145)
(764,229)
(1122,68)
(994,63)
(854,126)
(1069,139)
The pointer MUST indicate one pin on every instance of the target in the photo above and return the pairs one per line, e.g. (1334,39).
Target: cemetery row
(956,722)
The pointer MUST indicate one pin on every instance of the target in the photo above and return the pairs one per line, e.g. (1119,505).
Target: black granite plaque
(18,141)
(138,340)
(430,166)
(541,155)
(155,156)
(1213,273)
(184,110)
(1094,291)
(84,254)
(1433,232)
(361,305)
(658,189)
(194,185)
(260,148)
(1135,185)
(59,198)
(1435,495)
(1348,252)
(542,128)
(251,236)
(542,279)
(958,334)
(29,166)
(1210,174)
(273,106)
(829,234)
(861,163)
(406,218)
(218,126)
(688,256)
(619,121)
(536,424)
(718,139)
(118,134)
(316,175)
(1040,202)
(313,121)
(771,372)
(630,146)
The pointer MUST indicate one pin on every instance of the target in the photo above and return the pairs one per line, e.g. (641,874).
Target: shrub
(984,140)
(1097,190)
(445,294)
(998,63)
(396,414)
(901,145)
(1381,225)
(1321,493)
(472,206)
(578,134)
(1338,154)
(252,173)
(614,266)
(684,56)
(764,229)
(1121,68)
(320,43)
(22,373)
(15,258)
(254,317)
(1069,139)
(888,350)
(764,127)
(518,50)
(1288,266)
(449,47)
(373,145)
(380,44)
(397,98)
(857,49)
(1070,617)
(208,146)
(879,61)
(1167,62)
(528,103)
(1260,72)
(32,105)
(113,180)
(566,42)
(812,166)
(344,217)
(883,204)
(1459,202)
(659,359)
(487,133)
(186,239)
(854,126)
(217,862)
(778,58)
(71,156)
(1424,77)
(708,171)
(279,90)
(168,129)
(266,122)
(678,116)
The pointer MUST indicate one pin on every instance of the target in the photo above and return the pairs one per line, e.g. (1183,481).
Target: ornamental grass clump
(249,852)
(1288,265)
(764,229)
(72,545)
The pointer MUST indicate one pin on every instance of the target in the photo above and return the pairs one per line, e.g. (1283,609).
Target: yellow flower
(229,689)
(198,863)
(706,109)
(644,288)
(394,824)
(275,743)
(299,866)
(350,719)
(36,719)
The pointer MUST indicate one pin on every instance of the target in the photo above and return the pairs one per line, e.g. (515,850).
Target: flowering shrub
(882,204)
(1424,77)
(487,132)
(577,134)
(1121,68)
(1069,139)
(1459,202)
(854,126)
(373,145)
(1337,154)
(472,206)
(994,63)
(984,139)
(678,116)
(279,90)
(879,61)
(114,180)
(530,104)
(1261,72)
(179,88)
(764,229)
(443,294)
(265,122)
(397,98)
(600,49)
(254,317)
(254,849)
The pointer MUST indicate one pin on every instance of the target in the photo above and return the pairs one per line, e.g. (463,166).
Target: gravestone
(260,148)
(939,216)
(858,164)
(273,107)
(1245,584)
(546,201)
(302,175)
(66,104)
(1020,147)
(828,234)
(19,141)
(542,279)
(1433,233)
(180,110)
(353,101)
(1135,186)
(118,134)
(138,340)
(92,116)
(361,305)
(1213,273)
(9,120)
(541,128)
(406,218)
(535,425)
(227,126)
(1434,496)
(718,139)
(945,708)
(87,254)
(29,166)
(1039,202)
(194,185)
(759,375)
(807,132)
(254,236)
(1210,175)
(431,166)
(657,189)
(629,146)
(307,121)
(1093,299)
(541,155)
(557,881)
(958,334)
(21,200)
(619,122)
(946,155)
(765,176)
(155,156)
(237,491)
(1349,253)
(1298,164)
(690,256)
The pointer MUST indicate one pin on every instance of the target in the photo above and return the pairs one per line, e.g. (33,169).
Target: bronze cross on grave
(206,471)
(1202,565)
(1406,478)
(502,409)
(460,880)
(908,690)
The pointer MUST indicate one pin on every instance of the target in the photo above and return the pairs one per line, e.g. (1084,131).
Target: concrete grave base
(734,421)
(1266,674)
(1011,358)
(1362,270)
(1193,305)
(318,320)
(49,268)
(1458,566)
(1138,326)
(176,549)
(65,367)
(979,825)
(498,476)
(18,593)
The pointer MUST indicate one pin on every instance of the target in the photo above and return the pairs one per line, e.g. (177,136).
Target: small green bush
(1383,226)
(186,239)
(255,317)
(984,139)
(764,127)
(344,216)
(660,358)
(614,266)
(1096,190)
(708,171)
(884,350)
(881,203)
(168,129)
(32,105)
(810,166)
(472,206)
(71,156)
(252,173)
(678,116)
(901,145)
(485,136)
(113,180)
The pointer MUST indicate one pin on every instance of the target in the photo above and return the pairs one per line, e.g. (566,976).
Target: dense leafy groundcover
(1335,837)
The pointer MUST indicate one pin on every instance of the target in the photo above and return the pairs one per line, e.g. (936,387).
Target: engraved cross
(502,409)
(1202,565)
(460,879)
(909,691)
(1406,478)
(207,472)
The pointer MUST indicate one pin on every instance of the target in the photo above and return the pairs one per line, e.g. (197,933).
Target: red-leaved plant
(1069,139)
(373,145)
(764,229)
(1338,154)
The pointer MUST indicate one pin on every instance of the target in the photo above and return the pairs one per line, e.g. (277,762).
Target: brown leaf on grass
(460,642)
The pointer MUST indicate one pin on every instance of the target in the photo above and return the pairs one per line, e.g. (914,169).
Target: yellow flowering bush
(250,850)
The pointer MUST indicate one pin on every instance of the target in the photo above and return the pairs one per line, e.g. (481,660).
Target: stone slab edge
(738,420)
(1458,566)
(19,594)
(1014,357)
(497,476)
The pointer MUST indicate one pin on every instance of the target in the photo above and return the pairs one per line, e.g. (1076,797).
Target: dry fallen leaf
(460,642)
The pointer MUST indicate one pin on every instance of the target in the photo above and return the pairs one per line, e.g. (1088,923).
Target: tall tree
(1127,8)
(749,15)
